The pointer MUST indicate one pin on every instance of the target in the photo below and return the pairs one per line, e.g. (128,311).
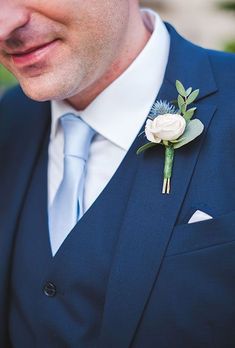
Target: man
(110,261)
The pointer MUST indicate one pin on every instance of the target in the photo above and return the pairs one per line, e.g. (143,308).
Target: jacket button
(49,289)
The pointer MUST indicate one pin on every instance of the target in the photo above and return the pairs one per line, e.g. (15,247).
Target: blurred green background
(6,79)
(214,18)
(230,7)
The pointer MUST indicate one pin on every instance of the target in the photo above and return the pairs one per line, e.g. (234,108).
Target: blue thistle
(161,108)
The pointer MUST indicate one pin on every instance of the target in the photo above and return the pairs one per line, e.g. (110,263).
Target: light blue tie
(67,206)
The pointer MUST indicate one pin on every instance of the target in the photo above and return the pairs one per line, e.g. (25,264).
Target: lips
(30,50)
(33,55)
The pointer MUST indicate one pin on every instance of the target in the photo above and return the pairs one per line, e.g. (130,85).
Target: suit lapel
(150,215)
(24,125)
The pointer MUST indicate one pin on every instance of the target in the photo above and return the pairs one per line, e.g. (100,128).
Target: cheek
(98,20)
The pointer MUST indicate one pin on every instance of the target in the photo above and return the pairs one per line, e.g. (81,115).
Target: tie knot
(77,136)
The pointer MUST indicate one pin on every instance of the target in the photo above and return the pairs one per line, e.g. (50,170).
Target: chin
(40,97)
(43,91)
(51,86)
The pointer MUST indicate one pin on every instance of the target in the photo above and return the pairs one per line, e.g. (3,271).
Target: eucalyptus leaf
(180,88)
(189,114)
(183,108)
(145,147)
(177,140)
(193,130)
(189,91)
(181,102)
(193,96)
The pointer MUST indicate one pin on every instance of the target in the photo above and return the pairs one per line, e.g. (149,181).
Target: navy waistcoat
(58,302)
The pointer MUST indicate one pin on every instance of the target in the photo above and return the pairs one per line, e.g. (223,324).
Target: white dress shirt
(117,114)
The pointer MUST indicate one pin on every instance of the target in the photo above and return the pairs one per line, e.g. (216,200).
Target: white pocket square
(199,216)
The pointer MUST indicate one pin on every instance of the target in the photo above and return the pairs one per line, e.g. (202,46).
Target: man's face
(58,48)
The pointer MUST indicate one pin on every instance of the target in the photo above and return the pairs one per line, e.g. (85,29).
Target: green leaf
(193,96)
(189,91)
(184,108)
(145,147)
(193,130)
(180,88)
(181,102)
(189,114)
(177,140)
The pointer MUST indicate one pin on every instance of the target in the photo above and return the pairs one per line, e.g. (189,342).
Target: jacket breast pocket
(203,234)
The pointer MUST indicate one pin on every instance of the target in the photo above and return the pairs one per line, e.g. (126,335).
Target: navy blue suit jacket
(172,284)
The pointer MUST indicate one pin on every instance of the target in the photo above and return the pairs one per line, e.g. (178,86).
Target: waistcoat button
(49,289)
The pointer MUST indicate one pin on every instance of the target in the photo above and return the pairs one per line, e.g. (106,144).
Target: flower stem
(169,157)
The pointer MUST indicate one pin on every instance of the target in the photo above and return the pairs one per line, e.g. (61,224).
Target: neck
(135,40)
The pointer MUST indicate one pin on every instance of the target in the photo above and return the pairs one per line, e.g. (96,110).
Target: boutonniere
(170,125)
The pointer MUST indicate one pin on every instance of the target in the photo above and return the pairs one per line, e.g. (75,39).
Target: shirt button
(49,289)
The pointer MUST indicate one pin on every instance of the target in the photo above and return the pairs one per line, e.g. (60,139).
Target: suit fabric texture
(146,278)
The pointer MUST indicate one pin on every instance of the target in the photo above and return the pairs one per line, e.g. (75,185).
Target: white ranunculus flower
(165,127)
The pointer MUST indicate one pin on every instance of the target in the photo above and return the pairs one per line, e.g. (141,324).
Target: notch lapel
(150,215)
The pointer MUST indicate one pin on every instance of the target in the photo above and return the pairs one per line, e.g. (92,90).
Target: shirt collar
(119,112)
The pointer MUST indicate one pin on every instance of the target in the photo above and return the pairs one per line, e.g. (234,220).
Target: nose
(12,17)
